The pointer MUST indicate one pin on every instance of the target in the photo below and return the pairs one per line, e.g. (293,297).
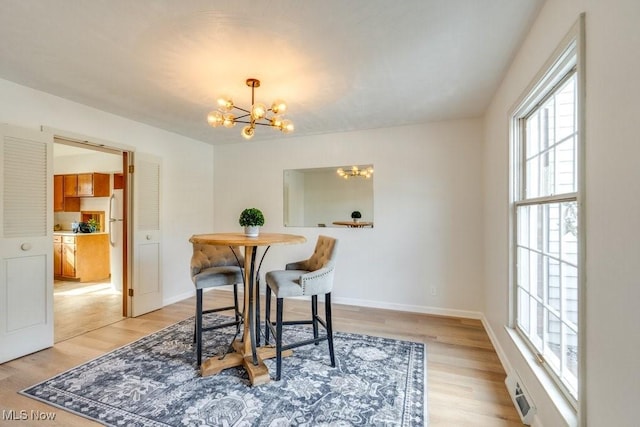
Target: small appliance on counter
(81,227)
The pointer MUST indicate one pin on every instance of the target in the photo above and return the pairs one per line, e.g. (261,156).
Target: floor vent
(521,398)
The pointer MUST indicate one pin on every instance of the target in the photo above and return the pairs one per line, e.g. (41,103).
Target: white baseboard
(178,298)
(467,314)
(504,360)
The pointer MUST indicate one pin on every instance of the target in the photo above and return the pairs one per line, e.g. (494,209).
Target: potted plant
(94,225)
(356,215)
(251,219)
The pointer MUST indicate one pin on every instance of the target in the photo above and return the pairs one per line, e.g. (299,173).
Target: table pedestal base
(258,374)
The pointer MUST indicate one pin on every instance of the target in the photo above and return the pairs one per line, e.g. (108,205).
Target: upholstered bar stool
(311,277)
(212,267)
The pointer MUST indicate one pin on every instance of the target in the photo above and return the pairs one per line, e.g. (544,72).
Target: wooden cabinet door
(57,256)
(70,185)
(93,185)
(69,256)
(85,184)
(101,185)
(58,193)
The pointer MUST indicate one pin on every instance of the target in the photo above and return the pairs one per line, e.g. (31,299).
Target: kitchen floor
(82,307)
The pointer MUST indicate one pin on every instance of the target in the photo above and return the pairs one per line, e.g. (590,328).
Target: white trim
(502,356)
(562,405)
(565,409)
(437,311)
(579,29)
(557,65)
(180,297)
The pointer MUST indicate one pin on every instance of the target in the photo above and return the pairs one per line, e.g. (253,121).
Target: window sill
(564,408)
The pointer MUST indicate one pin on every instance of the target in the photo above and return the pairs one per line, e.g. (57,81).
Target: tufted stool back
(207,256)
(323,254)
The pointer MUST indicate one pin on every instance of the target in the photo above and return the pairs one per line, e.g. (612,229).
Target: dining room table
(246,350)
(354,224)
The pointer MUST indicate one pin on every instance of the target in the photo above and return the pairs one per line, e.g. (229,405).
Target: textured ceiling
(341,65)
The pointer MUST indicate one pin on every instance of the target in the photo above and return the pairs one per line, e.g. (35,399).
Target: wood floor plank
(465,381)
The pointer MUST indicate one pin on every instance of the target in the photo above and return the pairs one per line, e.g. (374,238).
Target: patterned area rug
(154,382)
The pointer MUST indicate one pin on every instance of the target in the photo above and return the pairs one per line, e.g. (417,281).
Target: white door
(146,284)
(26,241)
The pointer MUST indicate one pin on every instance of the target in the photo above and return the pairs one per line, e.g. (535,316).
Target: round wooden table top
(239,239)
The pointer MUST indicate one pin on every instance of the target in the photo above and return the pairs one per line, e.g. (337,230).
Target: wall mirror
(322,197)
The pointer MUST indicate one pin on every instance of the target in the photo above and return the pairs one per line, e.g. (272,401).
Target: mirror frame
(320,197)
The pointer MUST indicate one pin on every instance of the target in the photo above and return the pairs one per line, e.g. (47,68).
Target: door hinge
(130,168)
(131,292)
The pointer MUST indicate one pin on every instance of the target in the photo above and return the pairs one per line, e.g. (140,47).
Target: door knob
(25,246)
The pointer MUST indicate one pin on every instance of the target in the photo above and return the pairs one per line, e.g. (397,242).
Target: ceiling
(340,65)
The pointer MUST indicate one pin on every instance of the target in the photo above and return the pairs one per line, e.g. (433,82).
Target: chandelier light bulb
(228,120)
(258,111)
(225,104)
(214,118)
(276,122)
(279,106)
(247,132)
(287,126)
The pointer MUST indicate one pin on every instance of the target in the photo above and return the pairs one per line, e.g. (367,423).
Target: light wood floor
(465,381)
(83,307)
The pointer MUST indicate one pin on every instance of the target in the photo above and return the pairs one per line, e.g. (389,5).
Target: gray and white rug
(154,382)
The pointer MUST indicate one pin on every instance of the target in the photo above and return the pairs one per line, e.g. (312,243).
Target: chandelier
(355,172)
(258,115)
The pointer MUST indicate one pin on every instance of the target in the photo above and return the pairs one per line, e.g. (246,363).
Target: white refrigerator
(116,238)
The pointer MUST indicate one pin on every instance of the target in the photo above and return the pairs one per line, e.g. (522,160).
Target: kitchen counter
(81,256)
(71,233)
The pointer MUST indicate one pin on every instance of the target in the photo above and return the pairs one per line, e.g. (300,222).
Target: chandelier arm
(241,109)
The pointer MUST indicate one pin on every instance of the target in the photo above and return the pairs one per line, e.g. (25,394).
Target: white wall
(427,210)
(612,203)
(187,196)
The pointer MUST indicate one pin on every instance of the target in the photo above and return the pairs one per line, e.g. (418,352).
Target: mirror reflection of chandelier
(355,171)
(258,115)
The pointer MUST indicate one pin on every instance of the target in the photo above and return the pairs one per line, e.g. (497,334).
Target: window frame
(566,60)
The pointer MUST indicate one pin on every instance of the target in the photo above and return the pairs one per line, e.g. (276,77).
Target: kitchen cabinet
(58,193)
(67,189)
(70,185)
(69,257)
(86,185)
(61,203)
(57,256)
(81,257)
(93,185)
(118,181)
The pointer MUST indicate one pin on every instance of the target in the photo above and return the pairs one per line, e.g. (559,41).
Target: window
(547,229)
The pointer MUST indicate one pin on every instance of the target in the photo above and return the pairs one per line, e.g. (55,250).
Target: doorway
(90,237)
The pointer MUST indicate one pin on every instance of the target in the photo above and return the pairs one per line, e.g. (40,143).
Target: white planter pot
(252,231)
